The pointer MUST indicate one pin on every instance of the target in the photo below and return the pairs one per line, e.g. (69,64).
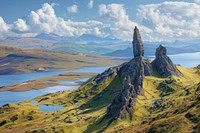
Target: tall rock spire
(138,48)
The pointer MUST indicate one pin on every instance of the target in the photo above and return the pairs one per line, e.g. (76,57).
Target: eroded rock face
(133,74)
(163,63)
(138,48)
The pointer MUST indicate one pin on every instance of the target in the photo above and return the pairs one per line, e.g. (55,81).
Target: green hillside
(166,105)
(139,96)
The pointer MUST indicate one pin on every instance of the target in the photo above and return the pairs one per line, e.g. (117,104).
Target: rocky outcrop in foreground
(132,74)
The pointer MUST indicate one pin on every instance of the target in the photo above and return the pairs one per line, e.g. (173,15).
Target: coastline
(46,82)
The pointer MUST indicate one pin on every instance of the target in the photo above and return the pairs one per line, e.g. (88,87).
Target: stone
(14,118)
(138,48)
(163,63)
(3,123)
(133,74)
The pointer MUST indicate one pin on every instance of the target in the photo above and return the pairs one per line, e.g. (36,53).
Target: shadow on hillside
(100,101)
(104,98)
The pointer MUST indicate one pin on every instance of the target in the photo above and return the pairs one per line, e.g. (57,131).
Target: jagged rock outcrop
(132,74)
(163,63)
(138,48)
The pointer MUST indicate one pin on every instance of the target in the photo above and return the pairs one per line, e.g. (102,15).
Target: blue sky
(158,20)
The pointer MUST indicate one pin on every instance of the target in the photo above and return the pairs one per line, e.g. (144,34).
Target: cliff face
(163,63)
(132,74)
(130,77)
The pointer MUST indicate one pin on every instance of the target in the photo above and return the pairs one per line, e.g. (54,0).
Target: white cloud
(171,20)
(197,1)
(98,32)
(20,25)
(115,14)
(167,21)
(72,9)
(54,4)
(4,28)
(90,4)
(44,20)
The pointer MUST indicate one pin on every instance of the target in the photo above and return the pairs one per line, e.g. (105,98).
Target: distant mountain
(150,50)
(90,44)
(86,38)
(51,36)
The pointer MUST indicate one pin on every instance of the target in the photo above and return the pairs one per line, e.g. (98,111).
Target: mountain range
(92,44)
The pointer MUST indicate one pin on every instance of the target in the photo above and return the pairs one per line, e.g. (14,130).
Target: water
(67,82)
(187,60)
(16,97)
(10,79)
(47,108)
(72,82)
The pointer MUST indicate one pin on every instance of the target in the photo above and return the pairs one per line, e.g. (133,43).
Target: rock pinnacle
(138,48)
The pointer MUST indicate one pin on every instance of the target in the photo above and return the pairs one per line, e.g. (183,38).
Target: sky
(158,20)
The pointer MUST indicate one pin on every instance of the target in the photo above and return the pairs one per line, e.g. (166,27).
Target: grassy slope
(85,107)
(47,59)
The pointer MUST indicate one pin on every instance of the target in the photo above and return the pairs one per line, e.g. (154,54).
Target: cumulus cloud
(171,20)
(4,28)
(115,14)
(20,25)
(72,9)
(90,4)
(44,20)
(167,21)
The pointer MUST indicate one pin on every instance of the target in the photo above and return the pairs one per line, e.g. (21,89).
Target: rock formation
(131,76)
(138,48)
(163,63)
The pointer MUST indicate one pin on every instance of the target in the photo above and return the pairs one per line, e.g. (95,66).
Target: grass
(85,108)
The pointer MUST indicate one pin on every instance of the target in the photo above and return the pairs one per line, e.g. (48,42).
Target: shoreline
(45,82)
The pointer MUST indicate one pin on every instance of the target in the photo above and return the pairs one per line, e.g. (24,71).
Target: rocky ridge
(132,74)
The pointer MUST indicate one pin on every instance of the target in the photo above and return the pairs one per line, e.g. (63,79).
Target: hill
(136,96)
(20,60)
